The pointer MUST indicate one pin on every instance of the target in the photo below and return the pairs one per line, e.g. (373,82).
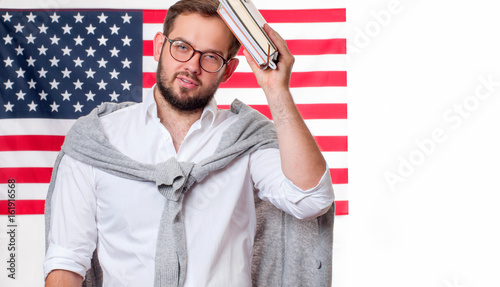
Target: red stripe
(339,175)
(341,207)
(298,80)
(304,15)
(332,143)
(22,207)
(31,142)
(308,111)
(153,16)
(26,174)
(273,16)
(296,47)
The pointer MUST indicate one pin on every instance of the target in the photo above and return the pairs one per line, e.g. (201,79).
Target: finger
(250,60)
(276,39)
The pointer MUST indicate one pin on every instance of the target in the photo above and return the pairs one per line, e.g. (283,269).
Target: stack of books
(246,23)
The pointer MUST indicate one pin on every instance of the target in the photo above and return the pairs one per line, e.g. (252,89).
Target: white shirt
(91,208)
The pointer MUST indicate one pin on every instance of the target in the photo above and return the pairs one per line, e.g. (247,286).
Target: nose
(193,65)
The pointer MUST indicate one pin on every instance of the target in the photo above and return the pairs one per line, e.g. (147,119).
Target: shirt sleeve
(275,187)
(73,234)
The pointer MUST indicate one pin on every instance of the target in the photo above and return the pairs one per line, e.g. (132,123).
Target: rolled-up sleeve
(73,234)
(275,187)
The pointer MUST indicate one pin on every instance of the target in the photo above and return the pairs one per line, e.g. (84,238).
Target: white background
(414,70)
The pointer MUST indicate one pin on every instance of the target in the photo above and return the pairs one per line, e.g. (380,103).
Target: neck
(176,121)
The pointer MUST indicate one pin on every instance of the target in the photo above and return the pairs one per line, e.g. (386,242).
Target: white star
(6,17)
(42,50)
(54,84)
(54,107)
(42,73)
(32,84)
(19,27)
(114,74)
(55,18)
(55,40)
(20,73)
(90,73)
(78,18)
(66,73)
(67,29)
(31,39)
(90,96)
(126,85)
(102,85)
(78,62)
(8,39)
(78,84)
(54,62)
(102,63)
(67,51)
(8,107)
(19,50)
(102,18)
(114,96)
(31,17)
(90,52)
(20,95)
(126,41)
(126,63)
(8,62)
(102,41)
(79,41)
(31,61)
(126,18)
(8,84)
(114,52)
(43,29)
(43,96)
(114,29)
(90,29)
(66,95)
(32,106)
(78,107)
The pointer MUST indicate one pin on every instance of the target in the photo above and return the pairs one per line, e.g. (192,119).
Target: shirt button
(166,138)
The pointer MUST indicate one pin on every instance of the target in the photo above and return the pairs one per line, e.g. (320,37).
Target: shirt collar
(150,111)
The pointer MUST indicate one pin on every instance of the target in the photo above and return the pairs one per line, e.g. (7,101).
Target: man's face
(185,85)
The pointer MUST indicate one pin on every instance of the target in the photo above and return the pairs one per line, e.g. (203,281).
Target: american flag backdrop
(59,64)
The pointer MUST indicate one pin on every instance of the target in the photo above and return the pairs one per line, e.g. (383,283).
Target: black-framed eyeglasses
(209,61)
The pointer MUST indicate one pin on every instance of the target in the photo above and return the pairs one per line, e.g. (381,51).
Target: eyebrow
(220,53)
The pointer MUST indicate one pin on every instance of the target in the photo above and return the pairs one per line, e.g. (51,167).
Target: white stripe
(27,159)
(308,95)
(340,191)
(288,31)
(35,126)
(26,191)
(335,159)
(322,127)
(155,4)
(302,63)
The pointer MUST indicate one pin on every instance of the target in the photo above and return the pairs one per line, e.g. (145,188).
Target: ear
(230,68)
(158,41)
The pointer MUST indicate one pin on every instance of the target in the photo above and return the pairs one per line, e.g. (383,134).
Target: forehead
(203,33)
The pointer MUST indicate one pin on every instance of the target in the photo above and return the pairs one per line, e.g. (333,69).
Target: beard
(187,103)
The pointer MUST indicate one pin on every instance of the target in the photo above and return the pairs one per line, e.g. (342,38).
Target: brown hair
(206,8)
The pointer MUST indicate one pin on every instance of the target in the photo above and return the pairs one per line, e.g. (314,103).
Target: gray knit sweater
(287,251)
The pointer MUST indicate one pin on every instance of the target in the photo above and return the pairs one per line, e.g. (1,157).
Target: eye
(210,57)
(181,46)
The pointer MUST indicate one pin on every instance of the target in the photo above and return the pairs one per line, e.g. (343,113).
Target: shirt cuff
(58,257)
(295,194)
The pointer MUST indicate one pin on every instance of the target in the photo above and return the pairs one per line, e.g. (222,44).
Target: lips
(187,82)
